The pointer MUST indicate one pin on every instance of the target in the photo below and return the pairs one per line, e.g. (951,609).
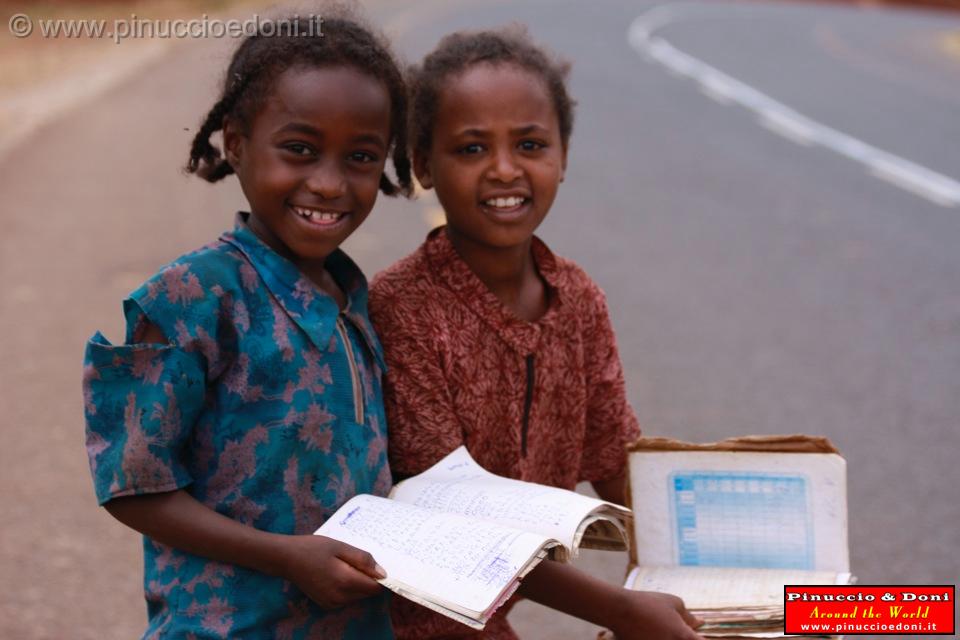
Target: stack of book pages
(733,603)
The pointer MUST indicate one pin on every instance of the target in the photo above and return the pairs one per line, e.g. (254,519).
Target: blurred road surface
(760,282)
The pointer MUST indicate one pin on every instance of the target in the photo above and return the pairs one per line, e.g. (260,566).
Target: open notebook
(458,539)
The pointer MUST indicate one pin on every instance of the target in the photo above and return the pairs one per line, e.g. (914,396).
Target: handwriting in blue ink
(348,516)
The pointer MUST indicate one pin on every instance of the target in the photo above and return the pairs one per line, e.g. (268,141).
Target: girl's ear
(232,142)
(421,169)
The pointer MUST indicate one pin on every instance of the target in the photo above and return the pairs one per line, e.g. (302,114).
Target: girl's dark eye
(298,148)
(470,149)
(531,145)
(363,156)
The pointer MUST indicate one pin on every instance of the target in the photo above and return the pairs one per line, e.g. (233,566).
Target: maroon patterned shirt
(542,401)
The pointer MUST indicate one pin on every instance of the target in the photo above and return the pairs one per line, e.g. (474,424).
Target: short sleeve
(611,423)
(140,403)
(192,302)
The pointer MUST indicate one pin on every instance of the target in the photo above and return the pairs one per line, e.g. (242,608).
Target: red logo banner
(869,609)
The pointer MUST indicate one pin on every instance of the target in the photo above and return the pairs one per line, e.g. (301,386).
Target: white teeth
(504,203)
(318,216)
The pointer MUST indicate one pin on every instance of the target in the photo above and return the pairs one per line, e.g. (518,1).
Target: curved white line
(780,118)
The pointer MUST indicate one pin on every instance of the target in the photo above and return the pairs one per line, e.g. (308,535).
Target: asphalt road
(759,282)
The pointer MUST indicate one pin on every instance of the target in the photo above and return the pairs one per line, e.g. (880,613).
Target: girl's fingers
(361,561)
(351,583)
(692,621)
(363,586)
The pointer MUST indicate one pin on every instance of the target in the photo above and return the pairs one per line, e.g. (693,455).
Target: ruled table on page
(742,519)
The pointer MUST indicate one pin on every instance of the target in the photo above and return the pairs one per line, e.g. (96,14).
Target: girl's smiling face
(496,157)
(311,160)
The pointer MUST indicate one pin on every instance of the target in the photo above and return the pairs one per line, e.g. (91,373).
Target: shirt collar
(450,269)
(311,308)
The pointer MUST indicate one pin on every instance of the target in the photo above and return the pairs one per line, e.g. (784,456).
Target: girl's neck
(510,273)
(314,270)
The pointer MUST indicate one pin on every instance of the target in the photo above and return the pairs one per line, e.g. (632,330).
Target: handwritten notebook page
(435,552)
(457,484)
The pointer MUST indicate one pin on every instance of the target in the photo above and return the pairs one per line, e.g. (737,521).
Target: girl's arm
(613,490)
(329,572)
(629,614)
(611,424)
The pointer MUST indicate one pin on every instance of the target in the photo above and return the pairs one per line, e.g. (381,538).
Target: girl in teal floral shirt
(245,406)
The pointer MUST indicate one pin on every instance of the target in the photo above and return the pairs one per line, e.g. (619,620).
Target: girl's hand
(649,615)
(331,573)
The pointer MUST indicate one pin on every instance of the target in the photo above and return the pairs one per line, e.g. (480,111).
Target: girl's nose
(327,181)
(504,167)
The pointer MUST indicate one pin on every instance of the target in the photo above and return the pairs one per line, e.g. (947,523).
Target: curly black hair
(458,51)
(342,40)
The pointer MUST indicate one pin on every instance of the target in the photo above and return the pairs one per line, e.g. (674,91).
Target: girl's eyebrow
(530,128)
(372,138)
(301,127)
(473,132)
(518,131)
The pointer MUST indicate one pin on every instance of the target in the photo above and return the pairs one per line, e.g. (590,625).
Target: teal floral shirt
(265,405)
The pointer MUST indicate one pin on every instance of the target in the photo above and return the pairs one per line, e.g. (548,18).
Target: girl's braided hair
(261,58)
(461,50)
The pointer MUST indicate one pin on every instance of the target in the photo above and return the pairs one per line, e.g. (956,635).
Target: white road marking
(781,119)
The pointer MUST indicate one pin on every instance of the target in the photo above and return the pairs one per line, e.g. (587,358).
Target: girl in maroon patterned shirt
(491,340)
